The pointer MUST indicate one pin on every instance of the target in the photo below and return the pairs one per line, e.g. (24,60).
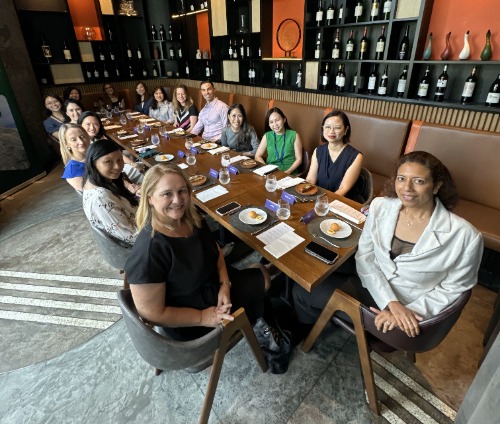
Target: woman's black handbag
(275,344)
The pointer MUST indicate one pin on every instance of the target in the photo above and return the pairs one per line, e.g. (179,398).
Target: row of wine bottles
(403,52)
(378,10)
(241,51)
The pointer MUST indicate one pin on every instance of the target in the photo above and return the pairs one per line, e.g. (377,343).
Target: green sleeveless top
(280,149)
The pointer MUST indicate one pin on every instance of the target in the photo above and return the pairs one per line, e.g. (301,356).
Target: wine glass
(162,131)
(190,158)
(283,211)
(140,128)
(123,119)
(155,139)
(224,176)
(116,110)
(271,183)
(225,160)
(188,143)
(321,207)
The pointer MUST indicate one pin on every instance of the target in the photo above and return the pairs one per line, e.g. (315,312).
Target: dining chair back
(115,252)
(362,191)
(165,353)
(362,321)
(306,163)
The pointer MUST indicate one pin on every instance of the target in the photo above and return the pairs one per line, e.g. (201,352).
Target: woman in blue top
(282,145)
(142,99)
(74,143)
(336,165)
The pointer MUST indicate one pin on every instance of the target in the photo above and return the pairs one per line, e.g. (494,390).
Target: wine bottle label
(96,74)
(375,9)
(139,54)
(230,51)
(469,87)
(441,83)
(493,98)
(355,81)
(250,73)
(382,91)
(129,54)
(380,46)
(155,73)
(341,81)
(387,6)
(401,86)
(335,53)
(329,14)
(117,72)
(67,54)
(144,73)
(341,13)
(371,83)
(281,76)
(46,51)
(363,46)
(319,15)
(248,51)
(358,10)
(276,75)
(89,75)
(337,80)
(112,56)
(235,54)
(324,80)
(180,53)
(316,54)
(423,88)
(349,47)
(101,56)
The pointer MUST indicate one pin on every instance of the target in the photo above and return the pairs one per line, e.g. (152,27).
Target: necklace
(416,221)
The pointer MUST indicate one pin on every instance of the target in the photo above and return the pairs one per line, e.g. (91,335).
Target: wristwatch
(226,282)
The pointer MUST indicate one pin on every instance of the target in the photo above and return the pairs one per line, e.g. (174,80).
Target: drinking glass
(116,110)
(188,143)
(283,211)
(224,176)
(123,119)
(190,158)
(225,160)
(163,131)
(321,207)
(271,183)
(140,128)
(109,114)
(155,139)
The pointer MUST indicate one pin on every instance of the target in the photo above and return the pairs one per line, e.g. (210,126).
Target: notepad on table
(347,212)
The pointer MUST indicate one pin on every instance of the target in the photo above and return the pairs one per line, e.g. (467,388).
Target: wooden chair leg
(251,338)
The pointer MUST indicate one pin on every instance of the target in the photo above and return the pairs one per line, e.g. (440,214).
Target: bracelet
(226,282)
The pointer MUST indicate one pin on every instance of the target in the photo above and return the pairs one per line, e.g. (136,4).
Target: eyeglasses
(328,128)
(52,103)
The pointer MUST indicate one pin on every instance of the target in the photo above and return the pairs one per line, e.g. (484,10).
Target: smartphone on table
(322,253)
(227,209)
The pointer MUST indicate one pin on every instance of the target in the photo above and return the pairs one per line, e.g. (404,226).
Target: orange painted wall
(84,14)
(203,32)
(284,9)
(460,16)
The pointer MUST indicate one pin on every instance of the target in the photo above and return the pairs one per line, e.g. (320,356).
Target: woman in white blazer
(414,257)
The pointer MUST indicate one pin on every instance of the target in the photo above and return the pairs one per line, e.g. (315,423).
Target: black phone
(322,253)
(227,209)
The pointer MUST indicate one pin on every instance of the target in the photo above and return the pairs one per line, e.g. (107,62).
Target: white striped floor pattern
(59,299)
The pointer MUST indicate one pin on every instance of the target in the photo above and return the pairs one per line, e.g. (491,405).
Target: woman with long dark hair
(142,98)
(72,109)
(239,135)
(55,116)
(161,108)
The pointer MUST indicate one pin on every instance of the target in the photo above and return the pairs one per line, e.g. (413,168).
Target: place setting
(200,182)
(253,219)
(305,192)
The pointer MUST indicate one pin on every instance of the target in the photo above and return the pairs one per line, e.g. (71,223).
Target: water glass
(188,143)
(163,131)
(116,110)
(109,114)
(224,176)
(283,211)
(225,160)
(190,158)
(321,207)
(123,119)
(271,183)
(140,128)
(155,139)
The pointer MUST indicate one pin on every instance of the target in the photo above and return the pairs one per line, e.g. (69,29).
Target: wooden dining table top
(248,189)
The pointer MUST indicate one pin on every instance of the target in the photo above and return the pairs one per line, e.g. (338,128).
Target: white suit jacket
(443,263)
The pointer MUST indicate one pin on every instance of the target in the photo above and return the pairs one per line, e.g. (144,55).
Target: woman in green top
(282,144)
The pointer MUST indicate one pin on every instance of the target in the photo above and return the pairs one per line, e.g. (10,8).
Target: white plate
(252,221)
(163,158)
(209,146)
(345,229)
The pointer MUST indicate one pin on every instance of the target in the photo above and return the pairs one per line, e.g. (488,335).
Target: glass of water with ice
(271,183)
(283,211)
(321,207)
(224,176)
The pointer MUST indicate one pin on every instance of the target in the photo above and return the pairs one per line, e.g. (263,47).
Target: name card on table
(214,173)
(271,205)
(290,198)
(194,150)
(308,217)
(181,154)
(232,169)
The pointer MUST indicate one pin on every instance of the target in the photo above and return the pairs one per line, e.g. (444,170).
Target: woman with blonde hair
(185,112)
(74,142)
(176,271)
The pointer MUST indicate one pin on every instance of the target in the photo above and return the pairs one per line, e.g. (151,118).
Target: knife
(263,228)
(346,221)
(329,242)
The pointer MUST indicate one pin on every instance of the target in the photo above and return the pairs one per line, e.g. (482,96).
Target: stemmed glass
(123,119)
(283,211)
(225,160)
(188,143)
(321,207)
(271,183)
(140,128)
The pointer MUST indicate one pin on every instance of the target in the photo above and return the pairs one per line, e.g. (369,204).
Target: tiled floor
(62,360)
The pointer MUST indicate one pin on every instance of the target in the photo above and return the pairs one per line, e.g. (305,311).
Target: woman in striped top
(185,112)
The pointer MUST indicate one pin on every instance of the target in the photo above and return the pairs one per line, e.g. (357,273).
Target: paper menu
(284,244)
(211,193)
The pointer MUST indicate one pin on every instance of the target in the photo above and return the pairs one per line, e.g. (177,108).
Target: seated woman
(161,108)
(282,144)
(72,93)
(74,143)
(92,125)
(108,205)
(72,109)
(185,112)
(142,99)
(55,116)
(176,271)
(239,135)
(414,256)
(335,166)
(110,98)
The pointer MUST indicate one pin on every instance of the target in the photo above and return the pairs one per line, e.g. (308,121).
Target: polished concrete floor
(65,355)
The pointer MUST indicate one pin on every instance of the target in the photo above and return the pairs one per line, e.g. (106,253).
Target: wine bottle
(423,86)
(375,10)
(403,78)
(364,46)
(387,9)
(207,70)
(230,49)
(324,78)
(171,52)
(253,72)
(372,81)
(250,73)
(187,69)
(493,97)
(96,72)
(117,71)
(349,47)
(341,13)
(89,73)
(428,49)
(337,75)
(382,85)
(156,53)
(404,46)
(330,14)
(161,32)
(317,51)
(242,49)
(380,48)
(358,11)
(191,7)
(319,14)
(129,52)
(105,71)
(299,76)
(441,84)
(282,74)
(130,71)
(336,46)
(179,52)
(341,79)
(111,54)
(277,74)
(66,52)
(155,70)
(139,53)
(355,82)
(469,87)
(144,71)
(486,53)
(47,52)
(170,33)
(260,51)
(101,54)
(153,32)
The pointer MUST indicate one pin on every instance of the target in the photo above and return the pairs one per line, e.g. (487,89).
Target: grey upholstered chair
(164,353)
(432,332)
(114,251)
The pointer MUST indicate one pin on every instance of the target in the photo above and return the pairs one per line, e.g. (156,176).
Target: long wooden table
(249,189)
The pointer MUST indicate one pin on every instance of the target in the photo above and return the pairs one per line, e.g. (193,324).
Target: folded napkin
(239,158)
(289,182)
(149,153)
(347,212)
(183,165)
(211,193)
(133,113)
(266,169)
(150,120)
(111,127)
(124,137)
(219,150)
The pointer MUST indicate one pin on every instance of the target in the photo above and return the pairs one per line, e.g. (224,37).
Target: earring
(69,149)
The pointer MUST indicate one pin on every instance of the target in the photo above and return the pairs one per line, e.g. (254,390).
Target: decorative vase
(464,54)
(486,53)
(447,51)
(428,49)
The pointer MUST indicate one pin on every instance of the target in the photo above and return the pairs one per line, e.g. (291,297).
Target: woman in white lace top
(108,205)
